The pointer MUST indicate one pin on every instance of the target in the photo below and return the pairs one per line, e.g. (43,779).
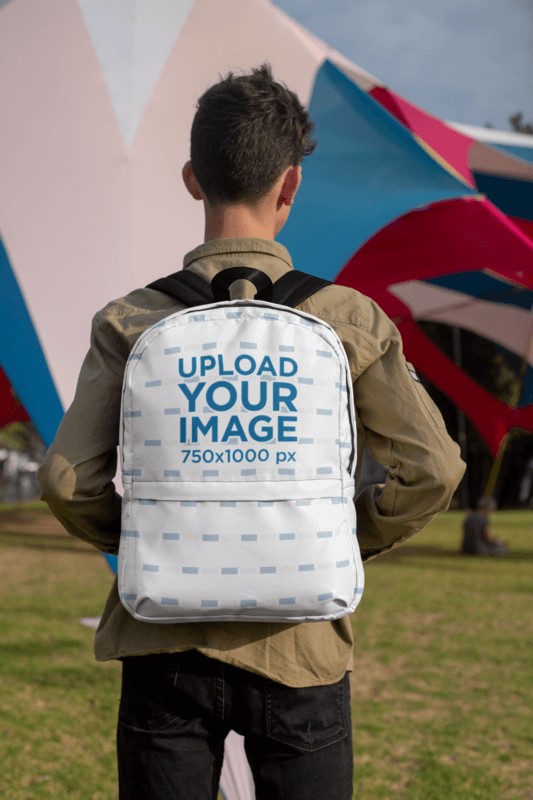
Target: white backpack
(238,450)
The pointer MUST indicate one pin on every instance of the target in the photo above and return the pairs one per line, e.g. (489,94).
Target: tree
(23,437)
(518,125)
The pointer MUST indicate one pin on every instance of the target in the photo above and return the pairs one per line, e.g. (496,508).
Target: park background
(442,686)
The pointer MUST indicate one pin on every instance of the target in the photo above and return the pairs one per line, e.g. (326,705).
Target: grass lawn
(442,690)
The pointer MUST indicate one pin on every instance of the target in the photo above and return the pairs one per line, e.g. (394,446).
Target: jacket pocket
(308,718)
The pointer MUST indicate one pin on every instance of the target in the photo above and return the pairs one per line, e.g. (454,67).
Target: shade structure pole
(496,466)
(461,423)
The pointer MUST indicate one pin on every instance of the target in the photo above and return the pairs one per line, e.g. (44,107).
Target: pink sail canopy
(445,143)
(396,267)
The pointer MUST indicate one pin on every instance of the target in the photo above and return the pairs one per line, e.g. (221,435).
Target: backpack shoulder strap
(294,287)
(185,286)
(190,289)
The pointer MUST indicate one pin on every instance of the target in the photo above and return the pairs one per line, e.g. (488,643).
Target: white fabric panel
(236,781)
(491,136)
(133,39)
(507,325)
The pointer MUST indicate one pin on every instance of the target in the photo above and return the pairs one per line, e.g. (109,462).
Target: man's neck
(238,222)
(259,219)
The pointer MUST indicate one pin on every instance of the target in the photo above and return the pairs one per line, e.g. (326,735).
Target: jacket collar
(229,247)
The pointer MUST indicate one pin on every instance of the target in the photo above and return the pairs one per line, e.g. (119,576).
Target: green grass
(442,694)
(441,691)
(57,705)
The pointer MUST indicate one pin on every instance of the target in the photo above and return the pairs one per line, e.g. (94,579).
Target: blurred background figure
(21,452)
(477,540)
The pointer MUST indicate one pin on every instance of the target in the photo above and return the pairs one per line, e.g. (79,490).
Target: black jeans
(176,710)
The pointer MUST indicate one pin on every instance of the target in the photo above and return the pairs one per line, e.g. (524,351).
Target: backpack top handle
(222,281)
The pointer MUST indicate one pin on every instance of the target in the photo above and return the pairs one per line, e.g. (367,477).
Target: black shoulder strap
(185,286)
(294,287)
(190,289)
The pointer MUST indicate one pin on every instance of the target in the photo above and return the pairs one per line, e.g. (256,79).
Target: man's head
(487,504)
(247,131)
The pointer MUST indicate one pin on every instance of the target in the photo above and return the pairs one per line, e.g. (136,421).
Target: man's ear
(189,179)
(290,186)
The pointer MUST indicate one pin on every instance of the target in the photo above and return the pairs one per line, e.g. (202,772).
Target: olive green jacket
(396,419)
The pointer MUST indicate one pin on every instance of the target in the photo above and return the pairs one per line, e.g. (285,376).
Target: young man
(284,687)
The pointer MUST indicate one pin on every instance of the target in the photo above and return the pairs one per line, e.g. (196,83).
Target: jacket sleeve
(76,477)
(405,432)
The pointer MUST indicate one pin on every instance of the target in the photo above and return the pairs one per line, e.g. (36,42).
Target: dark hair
(487,504)
(246,131)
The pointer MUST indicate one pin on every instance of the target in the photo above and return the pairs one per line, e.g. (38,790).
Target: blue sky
(467,61)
